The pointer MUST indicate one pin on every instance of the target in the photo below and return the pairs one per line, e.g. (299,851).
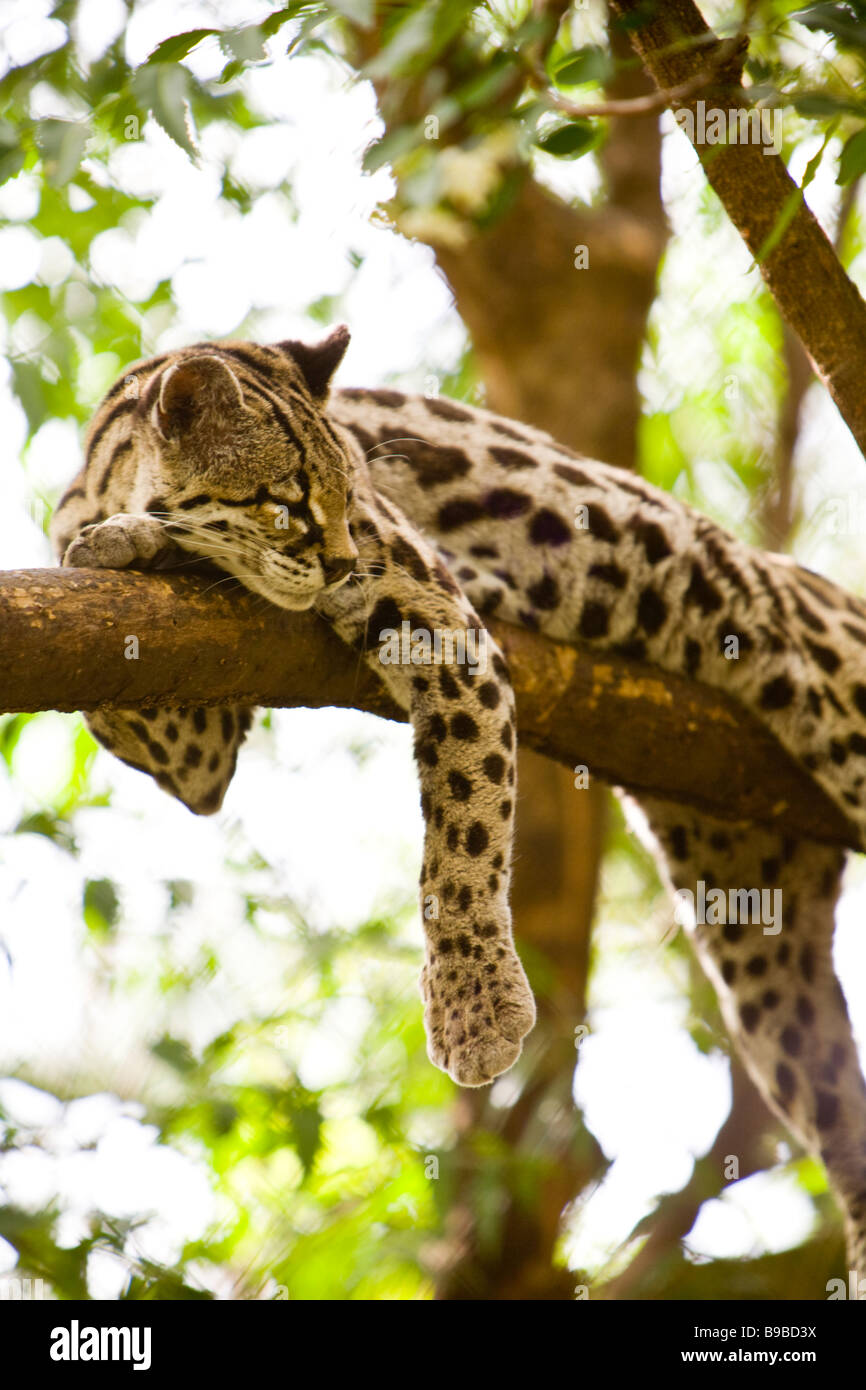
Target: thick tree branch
(64,635)
(802,271)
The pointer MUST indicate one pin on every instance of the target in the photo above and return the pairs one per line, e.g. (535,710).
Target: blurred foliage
(488,84)
(344,1192)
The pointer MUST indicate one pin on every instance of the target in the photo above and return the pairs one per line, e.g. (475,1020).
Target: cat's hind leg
(776,983)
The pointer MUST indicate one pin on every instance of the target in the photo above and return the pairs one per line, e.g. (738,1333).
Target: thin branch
(85,639)
(723,52)
(745,1134)
(802,271)
(647,105)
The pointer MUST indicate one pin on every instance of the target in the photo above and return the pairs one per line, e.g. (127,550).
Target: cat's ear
(319,361)
(194,391)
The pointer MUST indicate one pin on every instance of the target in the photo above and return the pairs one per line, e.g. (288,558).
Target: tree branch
(64,635)
(649,103)
(802,271)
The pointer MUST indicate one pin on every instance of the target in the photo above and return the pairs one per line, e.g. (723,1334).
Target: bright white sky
(300,797)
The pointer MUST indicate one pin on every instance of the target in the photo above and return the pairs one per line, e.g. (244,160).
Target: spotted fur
(376,508)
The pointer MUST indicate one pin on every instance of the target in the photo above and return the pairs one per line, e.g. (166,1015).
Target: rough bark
(559,347)
(64,634)
(802,271)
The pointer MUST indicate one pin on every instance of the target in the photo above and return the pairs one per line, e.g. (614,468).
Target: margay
(379,508)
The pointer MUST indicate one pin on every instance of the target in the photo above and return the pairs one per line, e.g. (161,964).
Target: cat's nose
(336,567)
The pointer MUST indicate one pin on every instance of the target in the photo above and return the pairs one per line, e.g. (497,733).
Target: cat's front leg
(425,642)
(478,1004)
(120,542)
(190,752)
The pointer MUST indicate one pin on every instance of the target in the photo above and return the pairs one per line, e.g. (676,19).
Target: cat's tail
(759,908)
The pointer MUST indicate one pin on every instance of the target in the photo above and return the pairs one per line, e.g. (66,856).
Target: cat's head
(246,468)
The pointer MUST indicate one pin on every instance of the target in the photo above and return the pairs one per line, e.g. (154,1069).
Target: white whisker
(398,439)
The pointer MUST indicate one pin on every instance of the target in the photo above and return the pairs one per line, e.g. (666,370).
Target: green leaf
(662,457)
(409,42)
(360,12)
(811,1175)
(28,385)
(232,69)
(814,164)
(275,21)
(164,90)
(171,50)
(306,1125)
(175,1052)
(483,88)
(416,35)
(852,162)
(535,29)
(246,45)
(11,729)
(181,892)
(17,1221)
(793,201)
(822,104)
(758,70)
(836,20)
(62,145)
(11,163)
(52,827)
(391,147)
(101,905)
(786,216)
(12,151)
(568,141)
(589,64)
(171,106)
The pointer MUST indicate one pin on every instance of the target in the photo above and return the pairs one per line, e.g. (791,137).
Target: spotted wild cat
(378,508)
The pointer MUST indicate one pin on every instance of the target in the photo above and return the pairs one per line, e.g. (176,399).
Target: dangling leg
(775,980)
(190,753)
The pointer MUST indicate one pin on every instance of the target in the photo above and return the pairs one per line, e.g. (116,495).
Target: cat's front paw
(478,1009)
(115,544)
